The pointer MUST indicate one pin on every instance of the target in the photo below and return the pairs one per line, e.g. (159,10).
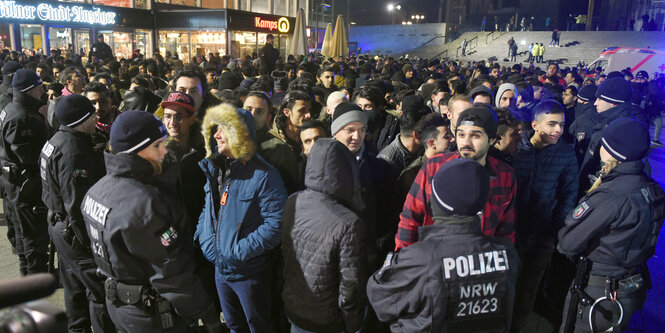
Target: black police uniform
(616,227)
(69,167)
(23,133)
(101,50)
(138,239)
(454,280)
(591,162)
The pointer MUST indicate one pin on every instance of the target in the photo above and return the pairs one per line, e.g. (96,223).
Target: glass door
(82,41)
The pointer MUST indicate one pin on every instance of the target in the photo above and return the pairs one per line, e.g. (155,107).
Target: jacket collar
(128,166)
(625,168)
(30,103)
(621,110)
(449,228)
(74,132)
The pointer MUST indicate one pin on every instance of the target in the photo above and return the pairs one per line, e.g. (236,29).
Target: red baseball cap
(180,99)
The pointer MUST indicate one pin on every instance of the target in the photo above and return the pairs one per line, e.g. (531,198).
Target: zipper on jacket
(220,214)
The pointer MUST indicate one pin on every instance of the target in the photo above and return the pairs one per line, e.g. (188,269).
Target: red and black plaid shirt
(498,215)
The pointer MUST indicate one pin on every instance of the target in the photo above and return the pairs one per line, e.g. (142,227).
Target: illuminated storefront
(236,33)
(41,26)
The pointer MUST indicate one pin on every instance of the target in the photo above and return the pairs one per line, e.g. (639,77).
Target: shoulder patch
(581,210)
(80,173)
(169,236)
(580,136)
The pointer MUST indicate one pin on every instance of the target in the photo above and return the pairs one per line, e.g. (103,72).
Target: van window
(600,63)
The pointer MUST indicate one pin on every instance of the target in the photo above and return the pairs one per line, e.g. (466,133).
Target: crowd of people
(347,194)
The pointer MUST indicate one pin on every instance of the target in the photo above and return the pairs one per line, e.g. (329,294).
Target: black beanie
(134,130)
(25,79)
(615,90)
(626,139)
(11,67)
(140,98)
(73,110)
(461,187)
(587,93)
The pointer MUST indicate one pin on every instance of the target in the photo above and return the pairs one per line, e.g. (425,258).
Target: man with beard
(105,113)
(475,133)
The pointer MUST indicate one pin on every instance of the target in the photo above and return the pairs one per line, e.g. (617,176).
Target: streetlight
(392,8)
(417,18)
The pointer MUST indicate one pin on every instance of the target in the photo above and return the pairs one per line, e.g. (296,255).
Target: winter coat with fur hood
(236,233)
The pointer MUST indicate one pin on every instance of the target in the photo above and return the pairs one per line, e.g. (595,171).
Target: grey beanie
(502,89)
(346,113)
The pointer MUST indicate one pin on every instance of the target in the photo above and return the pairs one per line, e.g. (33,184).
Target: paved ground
(651,319)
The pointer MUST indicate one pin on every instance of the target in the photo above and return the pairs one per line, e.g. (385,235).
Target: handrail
(431,40)
(487,36)
(441,53)
(468,45)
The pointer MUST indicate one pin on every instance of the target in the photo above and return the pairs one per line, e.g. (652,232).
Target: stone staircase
(574,45)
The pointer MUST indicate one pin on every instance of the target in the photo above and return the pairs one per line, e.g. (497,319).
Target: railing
(468,45)
(494,35)
(441,54)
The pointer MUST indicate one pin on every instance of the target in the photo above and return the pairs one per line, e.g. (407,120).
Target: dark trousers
(602,312)
(132,318)
(535,256)
(9,216)
(30,229)
(84,289)
(246,302)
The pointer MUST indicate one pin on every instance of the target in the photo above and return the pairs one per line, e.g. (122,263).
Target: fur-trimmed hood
(238,127)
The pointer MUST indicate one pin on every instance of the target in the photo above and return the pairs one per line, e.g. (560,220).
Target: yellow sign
(283,25)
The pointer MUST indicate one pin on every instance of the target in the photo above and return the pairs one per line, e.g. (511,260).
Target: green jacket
(280,155)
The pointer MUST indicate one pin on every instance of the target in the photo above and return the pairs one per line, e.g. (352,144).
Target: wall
(388,39)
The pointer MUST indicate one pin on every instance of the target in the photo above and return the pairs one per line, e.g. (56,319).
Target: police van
(619,58)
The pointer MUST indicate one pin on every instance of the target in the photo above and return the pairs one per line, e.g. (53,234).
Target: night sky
(374,12)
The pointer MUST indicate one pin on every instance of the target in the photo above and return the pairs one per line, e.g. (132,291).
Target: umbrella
(299,42)
(327,40)
(339,45)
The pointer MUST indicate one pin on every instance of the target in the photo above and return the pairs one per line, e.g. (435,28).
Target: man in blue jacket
(240,222)
(546,170)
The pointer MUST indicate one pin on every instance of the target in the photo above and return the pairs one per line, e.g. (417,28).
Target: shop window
(31,38)
(82,41)
(260,6)
(174,43)
(243,43)
(205,42)
(60,39)
(122,44)
(5,40)
(192,3)
(243,5)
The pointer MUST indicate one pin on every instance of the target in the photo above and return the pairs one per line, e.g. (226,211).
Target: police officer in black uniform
(100,49)
(615,227)
(455,279)
(23,133)
(138,236)
(69,167)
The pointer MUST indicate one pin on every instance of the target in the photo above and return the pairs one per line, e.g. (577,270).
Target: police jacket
(136,234)
(591,163)
(616,225)
(237,234)
(455,279)
(582,128)
(24,133)
(101,50)
(69,167)
(546,186)
(323,245)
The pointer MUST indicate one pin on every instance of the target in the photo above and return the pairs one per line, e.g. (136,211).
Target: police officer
(455,279)
(69,167)
(23,133)
(100,49)
(138,236)
(615,226)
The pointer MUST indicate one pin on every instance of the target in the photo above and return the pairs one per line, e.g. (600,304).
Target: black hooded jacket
(322,244)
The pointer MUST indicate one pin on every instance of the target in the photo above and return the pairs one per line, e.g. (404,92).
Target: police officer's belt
(628,284)
(129,294)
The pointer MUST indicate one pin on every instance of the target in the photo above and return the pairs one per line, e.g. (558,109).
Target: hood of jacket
(333,170)
(238,127)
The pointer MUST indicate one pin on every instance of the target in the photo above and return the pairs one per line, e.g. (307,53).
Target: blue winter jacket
(237,236)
